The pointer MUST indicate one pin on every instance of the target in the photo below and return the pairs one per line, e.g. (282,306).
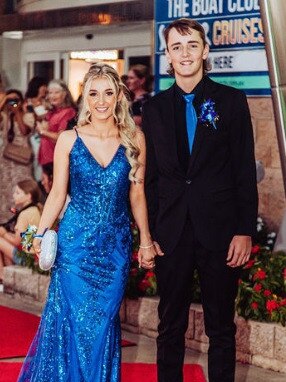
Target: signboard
(234,33)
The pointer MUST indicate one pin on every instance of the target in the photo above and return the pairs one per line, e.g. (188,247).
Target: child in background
(26,198)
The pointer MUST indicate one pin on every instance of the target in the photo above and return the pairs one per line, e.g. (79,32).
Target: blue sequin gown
(78,339)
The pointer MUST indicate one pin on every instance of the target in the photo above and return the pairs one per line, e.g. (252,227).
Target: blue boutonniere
(208,113)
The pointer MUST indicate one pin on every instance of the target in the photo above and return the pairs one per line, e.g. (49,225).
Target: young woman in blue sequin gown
(78,339)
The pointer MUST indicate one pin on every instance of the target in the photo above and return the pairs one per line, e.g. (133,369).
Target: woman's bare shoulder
(69,134)
(67,139)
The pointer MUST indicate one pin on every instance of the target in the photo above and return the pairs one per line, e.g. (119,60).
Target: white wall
(134,39)
(11,62)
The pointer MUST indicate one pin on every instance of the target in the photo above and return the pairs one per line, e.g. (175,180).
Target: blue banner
(235,36)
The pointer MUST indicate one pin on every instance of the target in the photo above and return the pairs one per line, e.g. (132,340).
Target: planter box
(24,283)
(258,343)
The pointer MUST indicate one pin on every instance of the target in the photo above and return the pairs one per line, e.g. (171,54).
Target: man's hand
(159,251)
(146,257)
(239,251)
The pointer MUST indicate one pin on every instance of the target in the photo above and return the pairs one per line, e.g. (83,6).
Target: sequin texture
(78,339)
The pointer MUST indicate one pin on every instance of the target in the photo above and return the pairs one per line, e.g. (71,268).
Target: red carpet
(138,372)
(131,372)
(17,330)
(9,371)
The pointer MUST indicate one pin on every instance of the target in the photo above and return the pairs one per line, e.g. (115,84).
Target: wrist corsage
(49,245)
(28,237)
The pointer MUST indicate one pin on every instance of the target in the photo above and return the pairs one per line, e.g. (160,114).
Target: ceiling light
(95,55)
(17,35)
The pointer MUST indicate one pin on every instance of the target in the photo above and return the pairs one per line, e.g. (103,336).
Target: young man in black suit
(202,201)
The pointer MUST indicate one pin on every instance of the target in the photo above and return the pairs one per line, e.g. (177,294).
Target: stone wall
(22,282)
(258,343)
(271,190)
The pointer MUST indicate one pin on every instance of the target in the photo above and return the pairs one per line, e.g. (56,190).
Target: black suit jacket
(218,192)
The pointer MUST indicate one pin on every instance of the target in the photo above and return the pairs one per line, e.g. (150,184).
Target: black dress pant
(219,285)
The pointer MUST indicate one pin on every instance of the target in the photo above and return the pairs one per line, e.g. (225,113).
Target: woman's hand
(42,126)
(37,246)
(146,256)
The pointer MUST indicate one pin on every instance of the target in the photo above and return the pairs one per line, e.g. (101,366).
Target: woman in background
(36,95)
(26,198)
(139,83)
(35,108)
(56,120)
(12,129)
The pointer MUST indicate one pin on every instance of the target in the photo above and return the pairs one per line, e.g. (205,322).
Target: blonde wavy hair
(124,122)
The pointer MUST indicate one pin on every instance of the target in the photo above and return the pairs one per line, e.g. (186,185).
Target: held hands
(147,254)
(239,251)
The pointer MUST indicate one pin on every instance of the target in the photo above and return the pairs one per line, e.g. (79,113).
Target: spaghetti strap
(76,132)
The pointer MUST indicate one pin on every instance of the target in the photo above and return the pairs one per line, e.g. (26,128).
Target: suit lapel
(169,123)
(198,140)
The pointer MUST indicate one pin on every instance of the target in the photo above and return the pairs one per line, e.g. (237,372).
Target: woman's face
(20,197)
(101,99)
(134,82)
(42,91)
(46,182)
(56,96)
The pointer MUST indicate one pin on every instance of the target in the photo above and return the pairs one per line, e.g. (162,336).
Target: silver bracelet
(146,246)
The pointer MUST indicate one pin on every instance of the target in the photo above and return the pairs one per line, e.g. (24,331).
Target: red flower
(239,281)
(283,302)
(249,264)
(284,273)
(149,274)
(271,305)
(261,275)
(255,249)
(143,285)
(254,305)
(257,287)
(267,292)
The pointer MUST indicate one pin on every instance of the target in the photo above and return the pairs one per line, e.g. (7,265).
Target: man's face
(186,53)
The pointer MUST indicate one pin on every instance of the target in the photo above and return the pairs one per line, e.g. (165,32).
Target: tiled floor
(145,351)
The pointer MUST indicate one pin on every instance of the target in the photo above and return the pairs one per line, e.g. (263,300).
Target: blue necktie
(191,119)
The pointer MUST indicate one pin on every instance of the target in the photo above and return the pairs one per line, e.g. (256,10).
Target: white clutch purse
(49,246)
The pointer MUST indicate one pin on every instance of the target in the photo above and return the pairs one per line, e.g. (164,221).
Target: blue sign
(235,36)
